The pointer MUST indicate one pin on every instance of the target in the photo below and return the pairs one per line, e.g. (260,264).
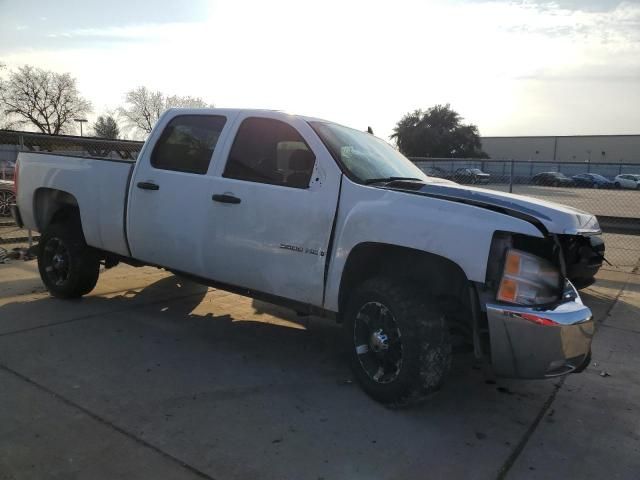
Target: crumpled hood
(556,218)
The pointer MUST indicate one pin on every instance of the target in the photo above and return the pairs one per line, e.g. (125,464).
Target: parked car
(627,180)
(592,180)
(552,179)
(329,221)
(7,198)
(437,172)
(470,175)
(7,169)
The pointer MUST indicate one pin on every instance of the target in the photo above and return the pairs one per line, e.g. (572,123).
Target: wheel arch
(369,259)
(53,205)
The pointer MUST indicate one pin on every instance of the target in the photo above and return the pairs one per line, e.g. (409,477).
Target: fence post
(29,233)
(511,178)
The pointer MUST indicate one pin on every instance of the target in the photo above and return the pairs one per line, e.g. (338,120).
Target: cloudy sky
(512,68)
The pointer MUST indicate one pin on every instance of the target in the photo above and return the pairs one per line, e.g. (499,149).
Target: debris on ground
(18,253)
(604,373)
(504,390)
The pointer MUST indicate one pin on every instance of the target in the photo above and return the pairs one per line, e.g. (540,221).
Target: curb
(624,225)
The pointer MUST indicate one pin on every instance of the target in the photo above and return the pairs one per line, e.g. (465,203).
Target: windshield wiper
(391,179)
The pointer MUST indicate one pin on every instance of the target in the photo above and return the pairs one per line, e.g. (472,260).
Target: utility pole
(80,121)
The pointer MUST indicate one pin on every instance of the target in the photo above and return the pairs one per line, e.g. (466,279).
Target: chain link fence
(611,191)
(13,142)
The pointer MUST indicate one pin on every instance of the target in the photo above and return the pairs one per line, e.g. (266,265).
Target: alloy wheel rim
(56,261)
(6,200)
(378,342)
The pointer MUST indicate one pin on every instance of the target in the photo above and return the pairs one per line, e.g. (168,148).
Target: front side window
(365,156)
(187,143)
(270,151)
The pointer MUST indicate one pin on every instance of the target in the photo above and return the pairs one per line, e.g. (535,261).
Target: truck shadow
(182,329)
(197,369)
(177,313)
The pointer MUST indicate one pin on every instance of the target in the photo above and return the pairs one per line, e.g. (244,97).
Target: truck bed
(99,185)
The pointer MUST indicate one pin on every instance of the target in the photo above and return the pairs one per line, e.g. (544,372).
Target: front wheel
(400,350)
(68,267)
(617,184)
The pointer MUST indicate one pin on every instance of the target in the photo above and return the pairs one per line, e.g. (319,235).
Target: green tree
(45,99)
(437,132)
(106,127)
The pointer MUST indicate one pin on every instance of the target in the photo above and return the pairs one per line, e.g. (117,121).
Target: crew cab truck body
(331,221)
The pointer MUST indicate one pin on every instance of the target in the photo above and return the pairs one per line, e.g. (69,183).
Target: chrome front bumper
(532,343)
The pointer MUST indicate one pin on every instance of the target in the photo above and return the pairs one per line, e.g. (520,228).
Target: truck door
(272,208)
(170,193)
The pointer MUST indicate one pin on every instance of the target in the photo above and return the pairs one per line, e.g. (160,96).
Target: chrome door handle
(148,186)
(225,198)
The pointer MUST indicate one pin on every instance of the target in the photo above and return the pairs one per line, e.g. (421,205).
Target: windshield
(365,156)
(475,170)
(599,177)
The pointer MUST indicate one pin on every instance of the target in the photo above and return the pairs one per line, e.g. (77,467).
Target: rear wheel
(400,350)
(68,267)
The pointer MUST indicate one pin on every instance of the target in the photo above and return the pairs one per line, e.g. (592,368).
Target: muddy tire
(68,267)
(399,345)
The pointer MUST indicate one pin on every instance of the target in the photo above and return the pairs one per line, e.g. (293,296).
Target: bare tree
(143,107)
(186,102)
(48,100)
(5,121)
(106,127)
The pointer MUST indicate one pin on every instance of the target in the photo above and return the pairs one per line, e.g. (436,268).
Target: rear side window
(187,143)
(270,151)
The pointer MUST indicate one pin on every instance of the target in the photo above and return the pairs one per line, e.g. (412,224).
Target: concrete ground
(154,377)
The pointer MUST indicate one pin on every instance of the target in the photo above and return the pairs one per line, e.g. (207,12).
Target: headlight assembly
(528,280)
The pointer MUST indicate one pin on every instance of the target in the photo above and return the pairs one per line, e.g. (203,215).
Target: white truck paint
(294,243)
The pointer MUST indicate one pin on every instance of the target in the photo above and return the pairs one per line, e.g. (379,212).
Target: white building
(577,148)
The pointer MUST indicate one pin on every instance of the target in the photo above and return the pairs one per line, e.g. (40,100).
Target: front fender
(459,232)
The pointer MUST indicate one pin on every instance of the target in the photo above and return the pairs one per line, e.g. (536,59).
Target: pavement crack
(628,330)
(107,423)
(511,459)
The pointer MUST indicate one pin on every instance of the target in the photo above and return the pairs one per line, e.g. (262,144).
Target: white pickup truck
(330,221)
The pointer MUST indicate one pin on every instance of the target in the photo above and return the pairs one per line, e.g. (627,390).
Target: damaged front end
(537,324)
(583,256)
